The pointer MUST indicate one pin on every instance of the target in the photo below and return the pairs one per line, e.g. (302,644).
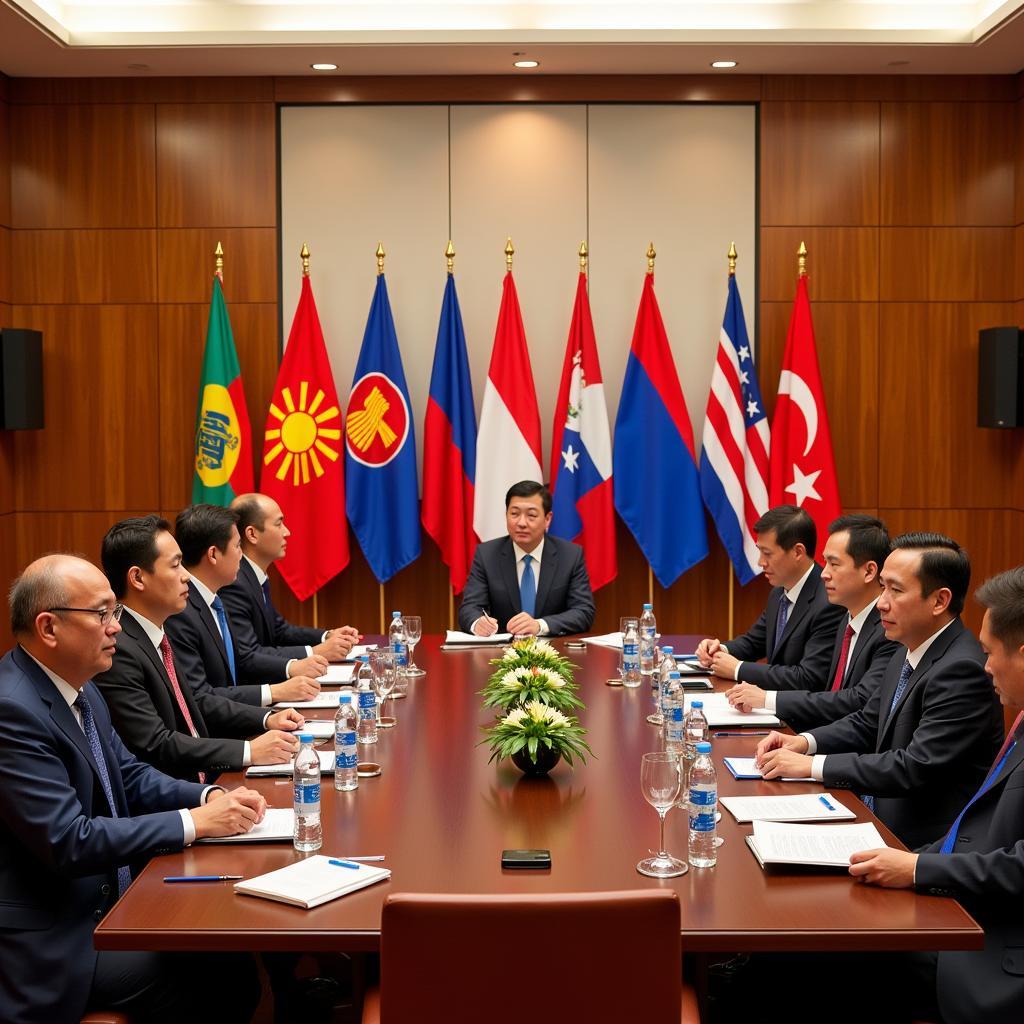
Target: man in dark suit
(796,631)
(79,811)
(922,744)
(854,553)
(154,709)
(506,593)
(980,860)
(204,647)
(267,646)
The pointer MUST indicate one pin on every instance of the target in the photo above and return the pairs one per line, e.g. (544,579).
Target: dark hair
(943,564)
(199,527)
(250,512)
(868,541)
(34,591)
(127,543)
(527,489)
(1003,596)
(792,526)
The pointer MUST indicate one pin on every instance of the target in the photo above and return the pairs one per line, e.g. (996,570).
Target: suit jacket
(60,843)
(985,873)
(804,709)
(200,653)
(564,598)
(924,761)
(146,715)
(800,661)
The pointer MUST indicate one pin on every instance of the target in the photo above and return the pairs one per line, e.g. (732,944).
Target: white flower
(543,714)
(510,654)
(515,717)
(543,647)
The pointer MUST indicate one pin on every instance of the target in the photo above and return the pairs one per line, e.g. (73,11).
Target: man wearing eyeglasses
(79,812)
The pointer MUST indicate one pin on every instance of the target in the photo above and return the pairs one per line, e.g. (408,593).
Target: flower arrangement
(533,652)
(531,669)
(536,729)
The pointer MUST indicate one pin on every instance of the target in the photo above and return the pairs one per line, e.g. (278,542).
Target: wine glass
(413,635)
(382,664)
(660,782)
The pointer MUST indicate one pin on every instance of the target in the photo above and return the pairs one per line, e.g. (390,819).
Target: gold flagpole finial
(380,257)
(801,260)
(218,262)
(732,259)
(304,255)
(510,250)
(449,255)
(651,256)
(583,257)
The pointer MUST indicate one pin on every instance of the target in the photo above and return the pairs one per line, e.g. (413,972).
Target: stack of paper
(804,807)
(338,675)
(278,824)
(321,700)
(319,729)
(613,640)
(453,636)
(257,771)
(744,768)
(775,842)
(718,711)
(311,881)
(359,650)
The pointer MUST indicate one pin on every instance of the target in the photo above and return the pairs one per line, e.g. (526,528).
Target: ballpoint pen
(203,878)
(342,863)
(717,735)
(831,807)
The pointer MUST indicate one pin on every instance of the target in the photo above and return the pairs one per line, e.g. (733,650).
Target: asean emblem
(377,422)
(301,439)
(218,438)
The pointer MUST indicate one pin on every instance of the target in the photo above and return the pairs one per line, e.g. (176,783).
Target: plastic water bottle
(366,704)
(648,647)
(672,709)
(398,642)
(631,655)
(695,730)
(345,758)
(659,680)
(703,806)
(306,788)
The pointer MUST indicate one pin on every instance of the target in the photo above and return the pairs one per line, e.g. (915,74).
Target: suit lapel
(507,565)
(248,578)
(138,634)
(548,568)
(872,624)
(836,648)
(206,617)
(775,599)
(802,608)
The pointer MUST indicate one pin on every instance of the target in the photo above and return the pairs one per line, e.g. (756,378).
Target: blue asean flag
(381,494)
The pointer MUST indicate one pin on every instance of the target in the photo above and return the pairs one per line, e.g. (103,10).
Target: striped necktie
(168,659)
(780,623)
(225,632)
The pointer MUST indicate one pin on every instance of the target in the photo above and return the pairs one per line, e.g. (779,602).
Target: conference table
(441,814)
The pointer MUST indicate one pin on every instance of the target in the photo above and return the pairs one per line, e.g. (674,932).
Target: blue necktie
(901,685)
(266,593)
(229,647)
(780,624)
(124,877)
(528,587)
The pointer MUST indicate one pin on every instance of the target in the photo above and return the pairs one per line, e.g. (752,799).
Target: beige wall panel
(684,177)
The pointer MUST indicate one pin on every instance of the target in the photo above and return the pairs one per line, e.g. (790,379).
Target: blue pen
(826,803)
(203,878)
(343,864)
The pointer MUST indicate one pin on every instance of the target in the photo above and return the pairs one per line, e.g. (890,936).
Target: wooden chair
(105,1017)
(506,959)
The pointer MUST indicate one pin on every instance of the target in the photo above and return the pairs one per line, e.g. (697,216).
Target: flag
(223,437)
(581,450)
(449,445)
(657,490)
(803,471)
(380,449)
(734,456)
(302,467)
(509,435)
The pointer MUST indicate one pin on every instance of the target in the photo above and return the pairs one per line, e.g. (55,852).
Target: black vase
(547,758)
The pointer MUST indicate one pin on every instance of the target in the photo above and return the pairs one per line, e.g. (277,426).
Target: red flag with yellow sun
(303,470)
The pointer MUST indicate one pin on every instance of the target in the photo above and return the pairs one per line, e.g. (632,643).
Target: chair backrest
(515,959)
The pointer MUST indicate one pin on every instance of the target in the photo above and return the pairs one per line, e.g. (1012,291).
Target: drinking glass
(382,665)
(660,782)
(413,635)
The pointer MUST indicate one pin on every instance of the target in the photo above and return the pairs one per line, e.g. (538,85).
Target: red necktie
(165,653)
(844,654)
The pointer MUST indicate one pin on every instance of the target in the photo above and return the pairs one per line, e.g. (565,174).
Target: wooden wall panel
(186,262)
(216,165)
(141,90)
(844,88)
(947,163)
(5,163)
(83,166)
(843,263)
(819,163)
(1018,177)
(1018,263)
(5,264)
(8,570)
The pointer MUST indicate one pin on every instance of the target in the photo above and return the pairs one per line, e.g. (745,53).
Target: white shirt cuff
(288,667)
(818,767)
(543,631)
(812,743)
(246,755)
(266,699)
(323,640)
(265,717)
(188,826)
(769,699)
(736,673)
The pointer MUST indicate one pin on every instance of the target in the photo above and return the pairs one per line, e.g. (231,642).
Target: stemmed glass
(382,664)
(413,635)
(660,782)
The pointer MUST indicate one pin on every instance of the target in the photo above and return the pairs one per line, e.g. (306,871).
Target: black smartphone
(526,859)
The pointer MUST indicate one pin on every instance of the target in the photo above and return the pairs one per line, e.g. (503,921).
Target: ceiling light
(324,67)
(527,64)
(723,63)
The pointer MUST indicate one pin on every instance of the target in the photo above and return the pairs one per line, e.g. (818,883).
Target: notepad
(801,807)
(338,675)
(744,768)
(359,650)
(775,842)
(258,771)
(454,636)
(321,700)
(719,712)
(311,881)
(278,824)
(318,729)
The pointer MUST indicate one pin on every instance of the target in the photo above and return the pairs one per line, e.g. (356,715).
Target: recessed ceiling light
(723,63)
(527,64)
(324,67)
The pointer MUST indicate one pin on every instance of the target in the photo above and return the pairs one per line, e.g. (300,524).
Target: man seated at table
(924,741)
(796,632)
(80,812)
(527,582)
(155,711)
(200,634)
(980,860)
(855,552)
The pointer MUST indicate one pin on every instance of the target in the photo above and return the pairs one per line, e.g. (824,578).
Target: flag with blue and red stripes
(449,446)
(734,456)
(657,489)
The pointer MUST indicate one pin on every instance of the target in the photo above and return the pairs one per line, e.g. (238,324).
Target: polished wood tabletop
(442,815)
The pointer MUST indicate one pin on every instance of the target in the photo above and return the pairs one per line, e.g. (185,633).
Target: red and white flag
(803,471)
(508,441)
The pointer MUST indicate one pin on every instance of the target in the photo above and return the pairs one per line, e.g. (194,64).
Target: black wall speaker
(21,379)
(1000,381)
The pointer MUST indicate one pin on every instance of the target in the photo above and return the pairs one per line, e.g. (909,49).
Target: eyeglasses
(105,614)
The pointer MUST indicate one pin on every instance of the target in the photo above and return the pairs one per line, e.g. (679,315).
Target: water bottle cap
(305,737)
(703,748)
(673,675)
(396,615)
(364,657)
(696,704)
(344,698)
(648,606)
(667,650)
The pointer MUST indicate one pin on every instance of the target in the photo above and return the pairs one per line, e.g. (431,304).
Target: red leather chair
(105,1017)
(509,959)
